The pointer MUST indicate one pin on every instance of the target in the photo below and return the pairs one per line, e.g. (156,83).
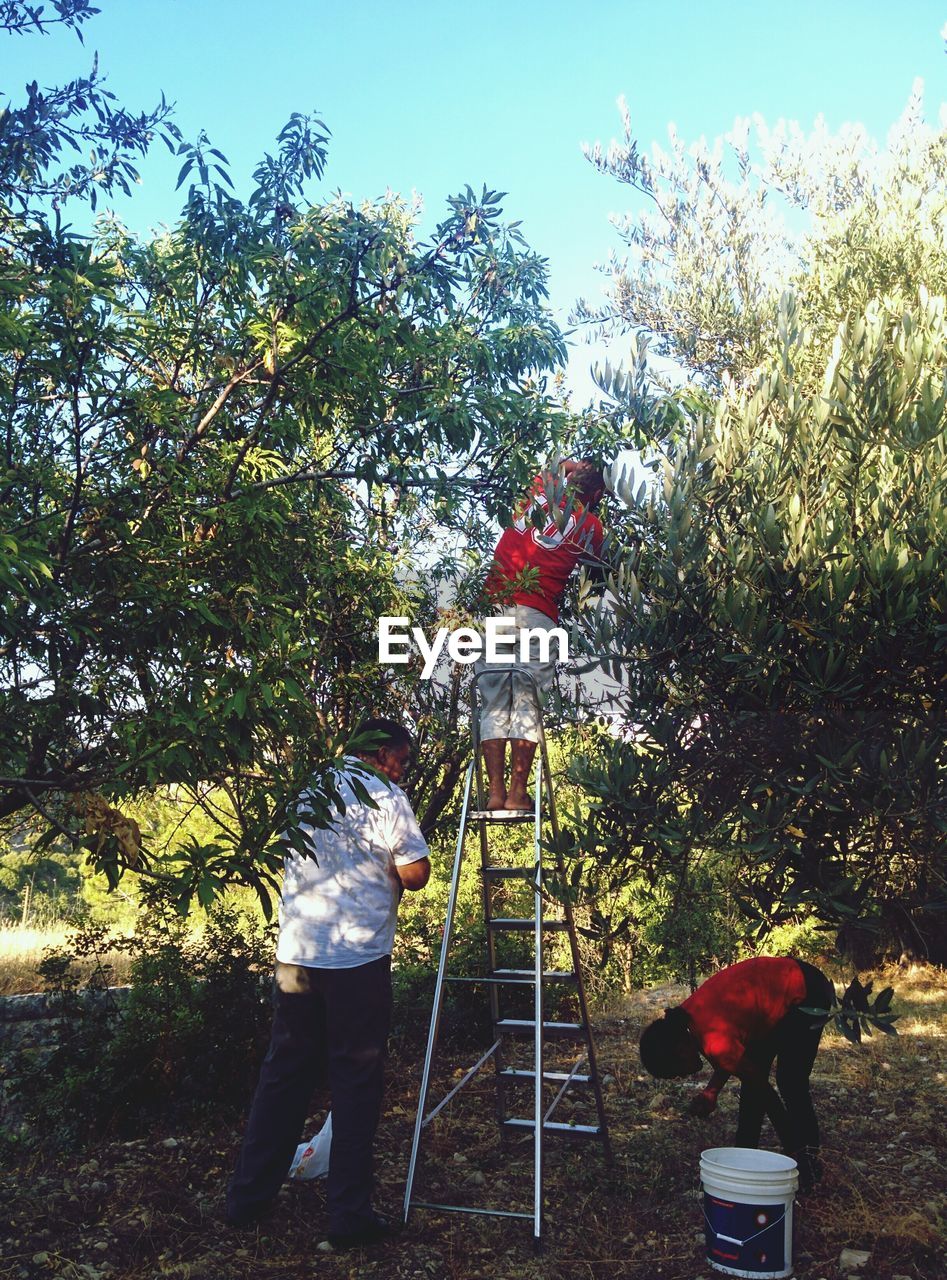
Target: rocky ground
(150,1207)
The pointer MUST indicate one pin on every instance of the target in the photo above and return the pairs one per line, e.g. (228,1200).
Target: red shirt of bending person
(531,568)
(741,1020)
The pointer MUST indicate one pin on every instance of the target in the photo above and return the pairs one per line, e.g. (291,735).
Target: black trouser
(322,1018)
(793,1042)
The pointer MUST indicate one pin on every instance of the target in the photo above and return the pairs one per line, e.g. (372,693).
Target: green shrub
(418,947)
(804,939)
(465,1013)
(184,1044)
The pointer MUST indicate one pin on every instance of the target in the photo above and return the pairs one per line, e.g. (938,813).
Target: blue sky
(424,96)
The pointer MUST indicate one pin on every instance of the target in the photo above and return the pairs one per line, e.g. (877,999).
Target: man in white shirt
(332,991)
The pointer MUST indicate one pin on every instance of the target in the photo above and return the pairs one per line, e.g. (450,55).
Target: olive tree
(721,229)
(779,595)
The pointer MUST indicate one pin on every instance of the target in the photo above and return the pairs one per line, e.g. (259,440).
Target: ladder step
(502,922)
(509,873)
(556,1127)
(502,815)
(557,1077)
(528,975)
(527,1027)
(514,978)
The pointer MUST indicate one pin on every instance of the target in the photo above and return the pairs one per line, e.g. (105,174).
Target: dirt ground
(151,1207)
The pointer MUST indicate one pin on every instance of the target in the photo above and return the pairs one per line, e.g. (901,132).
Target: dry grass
(22,949)
(142,1210)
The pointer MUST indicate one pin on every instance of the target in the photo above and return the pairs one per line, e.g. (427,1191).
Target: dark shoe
(368,1231)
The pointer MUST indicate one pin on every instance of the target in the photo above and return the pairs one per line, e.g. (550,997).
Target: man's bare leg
(494,757)
(521,761)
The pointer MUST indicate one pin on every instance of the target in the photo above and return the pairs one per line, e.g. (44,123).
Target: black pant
(793,1042)
(322,1018)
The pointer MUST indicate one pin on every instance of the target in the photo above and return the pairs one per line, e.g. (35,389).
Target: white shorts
(508,707)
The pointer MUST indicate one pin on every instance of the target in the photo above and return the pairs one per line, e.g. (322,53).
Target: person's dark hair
(661,1041)
(589,480)
(377,732)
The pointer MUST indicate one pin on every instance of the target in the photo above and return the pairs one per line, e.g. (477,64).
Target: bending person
(741,1020)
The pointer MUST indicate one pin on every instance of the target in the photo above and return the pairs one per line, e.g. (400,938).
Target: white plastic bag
(312,1158)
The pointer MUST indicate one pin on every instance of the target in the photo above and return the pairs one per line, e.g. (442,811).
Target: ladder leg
(493,990)
(487,898)
(577,965)
(438,993)
(538,958)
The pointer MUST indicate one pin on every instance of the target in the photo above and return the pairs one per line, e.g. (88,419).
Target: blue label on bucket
(746,1237)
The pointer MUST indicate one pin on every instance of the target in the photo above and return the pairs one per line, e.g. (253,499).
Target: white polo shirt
(339,907)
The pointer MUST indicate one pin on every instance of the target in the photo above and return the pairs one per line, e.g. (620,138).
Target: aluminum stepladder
(540,1124)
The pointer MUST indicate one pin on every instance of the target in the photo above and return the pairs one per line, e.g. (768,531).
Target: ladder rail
(576,959)
(538,967)
(438,993)
(487,899)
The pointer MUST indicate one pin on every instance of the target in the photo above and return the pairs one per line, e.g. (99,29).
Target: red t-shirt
(552,551)
(741,1004)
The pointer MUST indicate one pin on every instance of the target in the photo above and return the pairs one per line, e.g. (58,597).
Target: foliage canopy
(218,444)
(781,604)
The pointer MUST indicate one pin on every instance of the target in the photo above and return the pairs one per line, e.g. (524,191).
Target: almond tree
(219,446)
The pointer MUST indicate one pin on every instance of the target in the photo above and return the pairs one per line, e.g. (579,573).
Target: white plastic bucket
(748,1199)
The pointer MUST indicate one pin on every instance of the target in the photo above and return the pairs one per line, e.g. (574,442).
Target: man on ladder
(513,709)
(531,567)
